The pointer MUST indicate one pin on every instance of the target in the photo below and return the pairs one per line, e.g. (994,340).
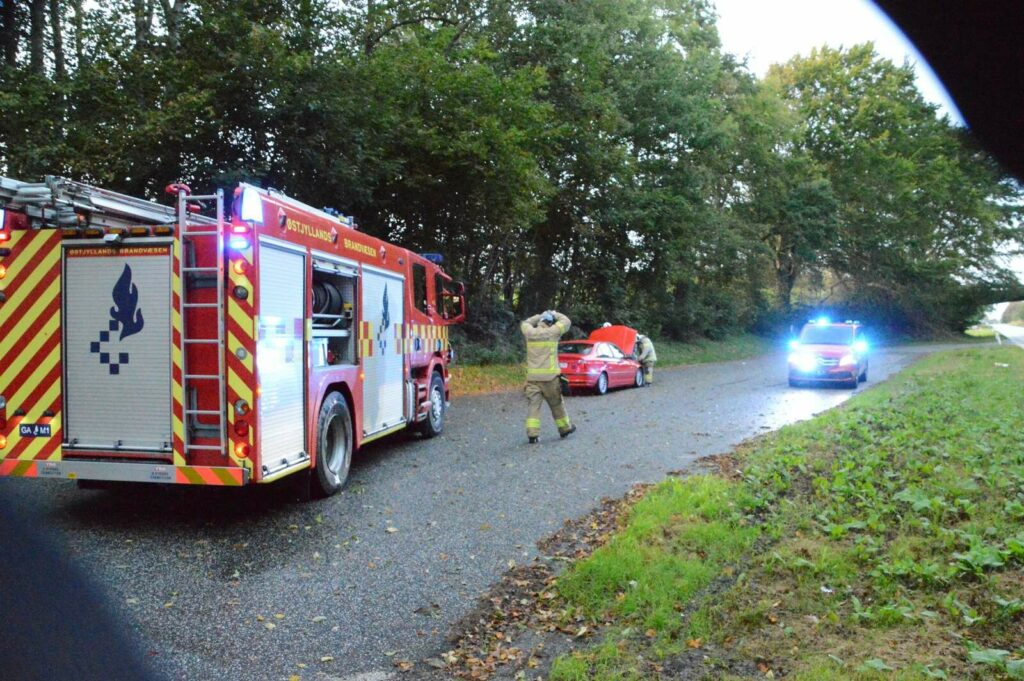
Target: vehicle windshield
(575,348)
(821,334)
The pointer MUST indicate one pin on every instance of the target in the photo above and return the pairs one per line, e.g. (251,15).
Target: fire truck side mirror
(455,304)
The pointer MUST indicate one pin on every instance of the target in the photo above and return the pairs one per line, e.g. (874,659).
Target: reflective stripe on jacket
(542,346)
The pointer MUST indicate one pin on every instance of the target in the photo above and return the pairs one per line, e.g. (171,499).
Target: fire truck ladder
(186,273)
(60,202)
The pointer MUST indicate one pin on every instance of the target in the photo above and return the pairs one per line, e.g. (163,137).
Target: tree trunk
(143,10)
(9,32)
(172,18)
(79,37)
(37,36)
(59,69)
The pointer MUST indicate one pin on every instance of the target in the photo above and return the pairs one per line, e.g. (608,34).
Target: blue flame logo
(124,315)
(385,322)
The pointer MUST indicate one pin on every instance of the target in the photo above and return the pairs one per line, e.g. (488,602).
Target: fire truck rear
(211,343)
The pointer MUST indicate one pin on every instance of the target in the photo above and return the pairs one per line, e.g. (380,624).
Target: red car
(603,361)
(829,352)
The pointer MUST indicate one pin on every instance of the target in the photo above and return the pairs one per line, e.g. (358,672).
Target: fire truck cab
(212,343)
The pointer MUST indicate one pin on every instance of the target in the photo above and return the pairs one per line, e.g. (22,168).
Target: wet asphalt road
(378,574)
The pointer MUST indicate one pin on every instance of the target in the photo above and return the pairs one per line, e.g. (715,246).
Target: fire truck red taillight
(241,428)
(242,450)
(3,442)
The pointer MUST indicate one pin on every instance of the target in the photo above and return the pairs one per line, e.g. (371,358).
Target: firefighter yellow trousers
(538,392)
(648,372)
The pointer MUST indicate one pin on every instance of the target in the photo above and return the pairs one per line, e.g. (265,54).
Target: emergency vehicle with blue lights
(829,352)
(209,343)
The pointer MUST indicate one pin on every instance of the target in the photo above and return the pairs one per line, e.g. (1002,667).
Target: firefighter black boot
(572,429)
(534,439)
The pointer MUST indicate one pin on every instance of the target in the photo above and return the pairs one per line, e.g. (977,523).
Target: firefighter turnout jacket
(647,354)
(542,346)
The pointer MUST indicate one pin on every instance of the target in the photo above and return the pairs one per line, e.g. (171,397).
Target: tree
(923,212)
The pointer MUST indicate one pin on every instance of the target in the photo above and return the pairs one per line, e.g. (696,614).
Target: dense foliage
(605,157)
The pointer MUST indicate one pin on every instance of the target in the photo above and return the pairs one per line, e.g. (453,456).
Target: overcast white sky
(767,32)
(770,32)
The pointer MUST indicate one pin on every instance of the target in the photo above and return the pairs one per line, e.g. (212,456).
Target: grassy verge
(986,332)
(880,540)
(470,379)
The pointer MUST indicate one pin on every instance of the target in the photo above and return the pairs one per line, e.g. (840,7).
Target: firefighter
(542,332)
(646,357)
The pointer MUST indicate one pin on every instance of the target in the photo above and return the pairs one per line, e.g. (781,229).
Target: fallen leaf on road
(435,663)
(132,601)
(693,643)
(391,530)
(403,666)
(327,658)
(319,618)
(279,616)
(270,626)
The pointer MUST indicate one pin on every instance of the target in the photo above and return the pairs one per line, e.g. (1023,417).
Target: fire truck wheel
(434,423)
(334,446)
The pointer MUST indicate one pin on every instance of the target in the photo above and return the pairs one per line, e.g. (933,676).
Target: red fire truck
(211,343)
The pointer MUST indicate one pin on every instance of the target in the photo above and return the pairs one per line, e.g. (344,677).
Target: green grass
(470,379)
(892,543)
(981,332)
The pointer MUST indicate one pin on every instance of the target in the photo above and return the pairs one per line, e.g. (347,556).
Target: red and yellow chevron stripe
(30,374)
(177,348)
(241,346)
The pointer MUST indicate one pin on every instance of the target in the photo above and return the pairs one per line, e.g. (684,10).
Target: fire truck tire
(334,446)
(434,423)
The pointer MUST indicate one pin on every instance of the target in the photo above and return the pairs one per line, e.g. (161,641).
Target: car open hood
(623,336)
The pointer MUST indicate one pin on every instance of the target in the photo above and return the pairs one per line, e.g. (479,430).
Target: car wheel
(852,383)
(434,423)
(334,446)
(602,383)
(639,380)
(864,375)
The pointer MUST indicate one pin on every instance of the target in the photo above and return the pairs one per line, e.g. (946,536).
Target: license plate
(34,430)
(563,365)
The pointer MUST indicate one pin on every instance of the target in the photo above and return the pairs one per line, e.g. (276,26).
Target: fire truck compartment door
(382,358)
(279,358)
(117,347)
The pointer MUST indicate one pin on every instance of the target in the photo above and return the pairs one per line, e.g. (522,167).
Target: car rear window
(575,348)
(820,334)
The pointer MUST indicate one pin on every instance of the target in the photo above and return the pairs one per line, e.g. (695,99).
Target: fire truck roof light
(435,258)
(822,320)
(252,206)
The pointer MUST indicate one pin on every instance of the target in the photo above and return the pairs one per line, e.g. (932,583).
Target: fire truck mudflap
(117,348)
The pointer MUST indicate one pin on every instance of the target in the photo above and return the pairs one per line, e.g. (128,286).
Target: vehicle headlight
(847,360)
(804,361)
